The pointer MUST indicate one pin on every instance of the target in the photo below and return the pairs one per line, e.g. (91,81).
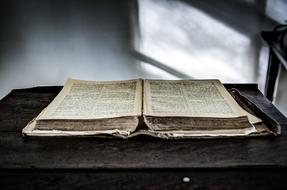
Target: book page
(190,98)
(95,100)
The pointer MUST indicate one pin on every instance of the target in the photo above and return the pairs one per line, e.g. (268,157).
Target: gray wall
(45,42)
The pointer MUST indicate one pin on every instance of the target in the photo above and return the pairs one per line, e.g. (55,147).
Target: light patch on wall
(190,41)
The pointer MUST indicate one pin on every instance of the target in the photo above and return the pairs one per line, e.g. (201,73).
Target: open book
(160,108)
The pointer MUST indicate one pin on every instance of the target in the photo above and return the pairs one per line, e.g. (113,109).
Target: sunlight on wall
(193,43)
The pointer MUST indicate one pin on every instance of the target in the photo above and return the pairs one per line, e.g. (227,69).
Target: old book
(159,108)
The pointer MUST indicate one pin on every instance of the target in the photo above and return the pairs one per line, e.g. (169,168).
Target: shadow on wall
(204,39)
(45,42)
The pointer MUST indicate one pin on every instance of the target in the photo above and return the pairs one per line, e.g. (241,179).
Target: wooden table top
(21,105)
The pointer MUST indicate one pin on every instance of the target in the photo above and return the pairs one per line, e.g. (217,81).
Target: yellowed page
(190,98)
(95,100)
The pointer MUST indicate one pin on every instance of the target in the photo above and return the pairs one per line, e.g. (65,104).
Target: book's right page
(194,106)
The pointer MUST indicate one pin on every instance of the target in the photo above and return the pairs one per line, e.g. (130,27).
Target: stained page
(94,100)
(190,98)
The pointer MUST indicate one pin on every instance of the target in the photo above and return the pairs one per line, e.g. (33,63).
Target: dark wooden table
(90,163)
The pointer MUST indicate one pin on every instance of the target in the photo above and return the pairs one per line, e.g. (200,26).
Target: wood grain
(139,163)
(144,179)
(20,106)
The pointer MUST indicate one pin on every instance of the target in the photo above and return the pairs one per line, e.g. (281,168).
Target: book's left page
(89,107)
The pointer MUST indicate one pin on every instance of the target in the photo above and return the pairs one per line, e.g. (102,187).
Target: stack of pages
(160,108)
